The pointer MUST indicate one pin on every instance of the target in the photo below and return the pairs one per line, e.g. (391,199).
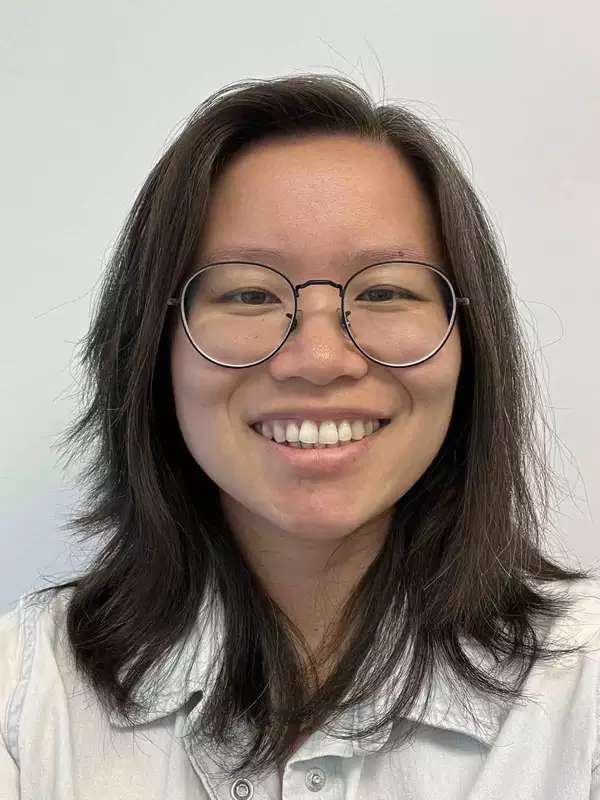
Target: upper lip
(320,414)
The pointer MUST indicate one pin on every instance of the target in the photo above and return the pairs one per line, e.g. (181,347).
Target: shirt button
(242,789)
(315,779)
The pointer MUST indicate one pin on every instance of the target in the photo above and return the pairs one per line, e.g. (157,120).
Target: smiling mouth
(309,446)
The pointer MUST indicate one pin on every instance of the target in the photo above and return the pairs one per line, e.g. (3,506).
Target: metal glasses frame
(343,315)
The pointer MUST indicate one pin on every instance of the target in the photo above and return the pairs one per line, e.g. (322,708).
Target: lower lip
(321,460)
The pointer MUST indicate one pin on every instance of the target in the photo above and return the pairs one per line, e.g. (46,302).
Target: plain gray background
(91,95)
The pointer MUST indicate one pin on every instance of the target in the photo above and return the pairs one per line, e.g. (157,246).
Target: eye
(244,292)
(384,292)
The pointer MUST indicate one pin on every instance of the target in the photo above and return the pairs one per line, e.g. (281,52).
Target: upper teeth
(309,432)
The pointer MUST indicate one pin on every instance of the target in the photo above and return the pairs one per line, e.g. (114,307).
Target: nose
(317,307)
(319,348)
(300,316)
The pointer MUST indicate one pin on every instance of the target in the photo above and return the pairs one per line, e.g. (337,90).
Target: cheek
(201,390)
(431,386)
(429,391)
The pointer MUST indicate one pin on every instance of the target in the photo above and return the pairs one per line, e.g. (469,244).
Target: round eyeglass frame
(342,314)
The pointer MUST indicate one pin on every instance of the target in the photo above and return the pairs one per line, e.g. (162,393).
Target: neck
(309,574)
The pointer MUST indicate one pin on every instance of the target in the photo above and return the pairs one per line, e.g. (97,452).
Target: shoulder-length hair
(463,556)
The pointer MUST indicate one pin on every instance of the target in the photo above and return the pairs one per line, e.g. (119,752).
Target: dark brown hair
(463,557)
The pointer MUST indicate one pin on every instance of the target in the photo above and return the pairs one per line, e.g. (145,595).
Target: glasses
(239,314)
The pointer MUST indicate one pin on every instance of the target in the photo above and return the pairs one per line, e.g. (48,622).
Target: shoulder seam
(29,608)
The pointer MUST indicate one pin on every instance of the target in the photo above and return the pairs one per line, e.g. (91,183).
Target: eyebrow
(352,258)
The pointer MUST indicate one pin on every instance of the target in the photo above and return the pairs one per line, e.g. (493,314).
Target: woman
(318,488)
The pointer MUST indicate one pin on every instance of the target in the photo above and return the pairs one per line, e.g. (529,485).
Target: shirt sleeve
(9,774)
(9,678)
(595,785)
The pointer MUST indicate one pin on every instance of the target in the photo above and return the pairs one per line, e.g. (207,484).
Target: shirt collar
(190,667)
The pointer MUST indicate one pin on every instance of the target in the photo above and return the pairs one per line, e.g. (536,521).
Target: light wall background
(92,93)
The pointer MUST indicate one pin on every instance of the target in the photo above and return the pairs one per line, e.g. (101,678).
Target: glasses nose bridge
(337,286)
(322,281)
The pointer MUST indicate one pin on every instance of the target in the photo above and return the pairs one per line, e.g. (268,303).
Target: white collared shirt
(57,742)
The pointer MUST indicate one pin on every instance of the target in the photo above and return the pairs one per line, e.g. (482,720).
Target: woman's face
(316,201)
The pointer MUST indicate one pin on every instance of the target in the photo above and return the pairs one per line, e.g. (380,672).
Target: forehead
(338,202)
(322,177)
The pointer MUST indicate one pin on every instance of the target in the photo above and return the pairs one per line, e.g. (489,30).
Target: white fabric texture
(57,742)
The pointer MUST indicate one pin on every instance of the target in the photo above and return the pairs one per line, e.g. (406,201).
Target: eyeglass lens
(238,314)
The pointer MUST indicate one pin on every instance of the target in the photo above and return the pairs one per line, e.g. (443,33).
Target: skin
(315,199)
